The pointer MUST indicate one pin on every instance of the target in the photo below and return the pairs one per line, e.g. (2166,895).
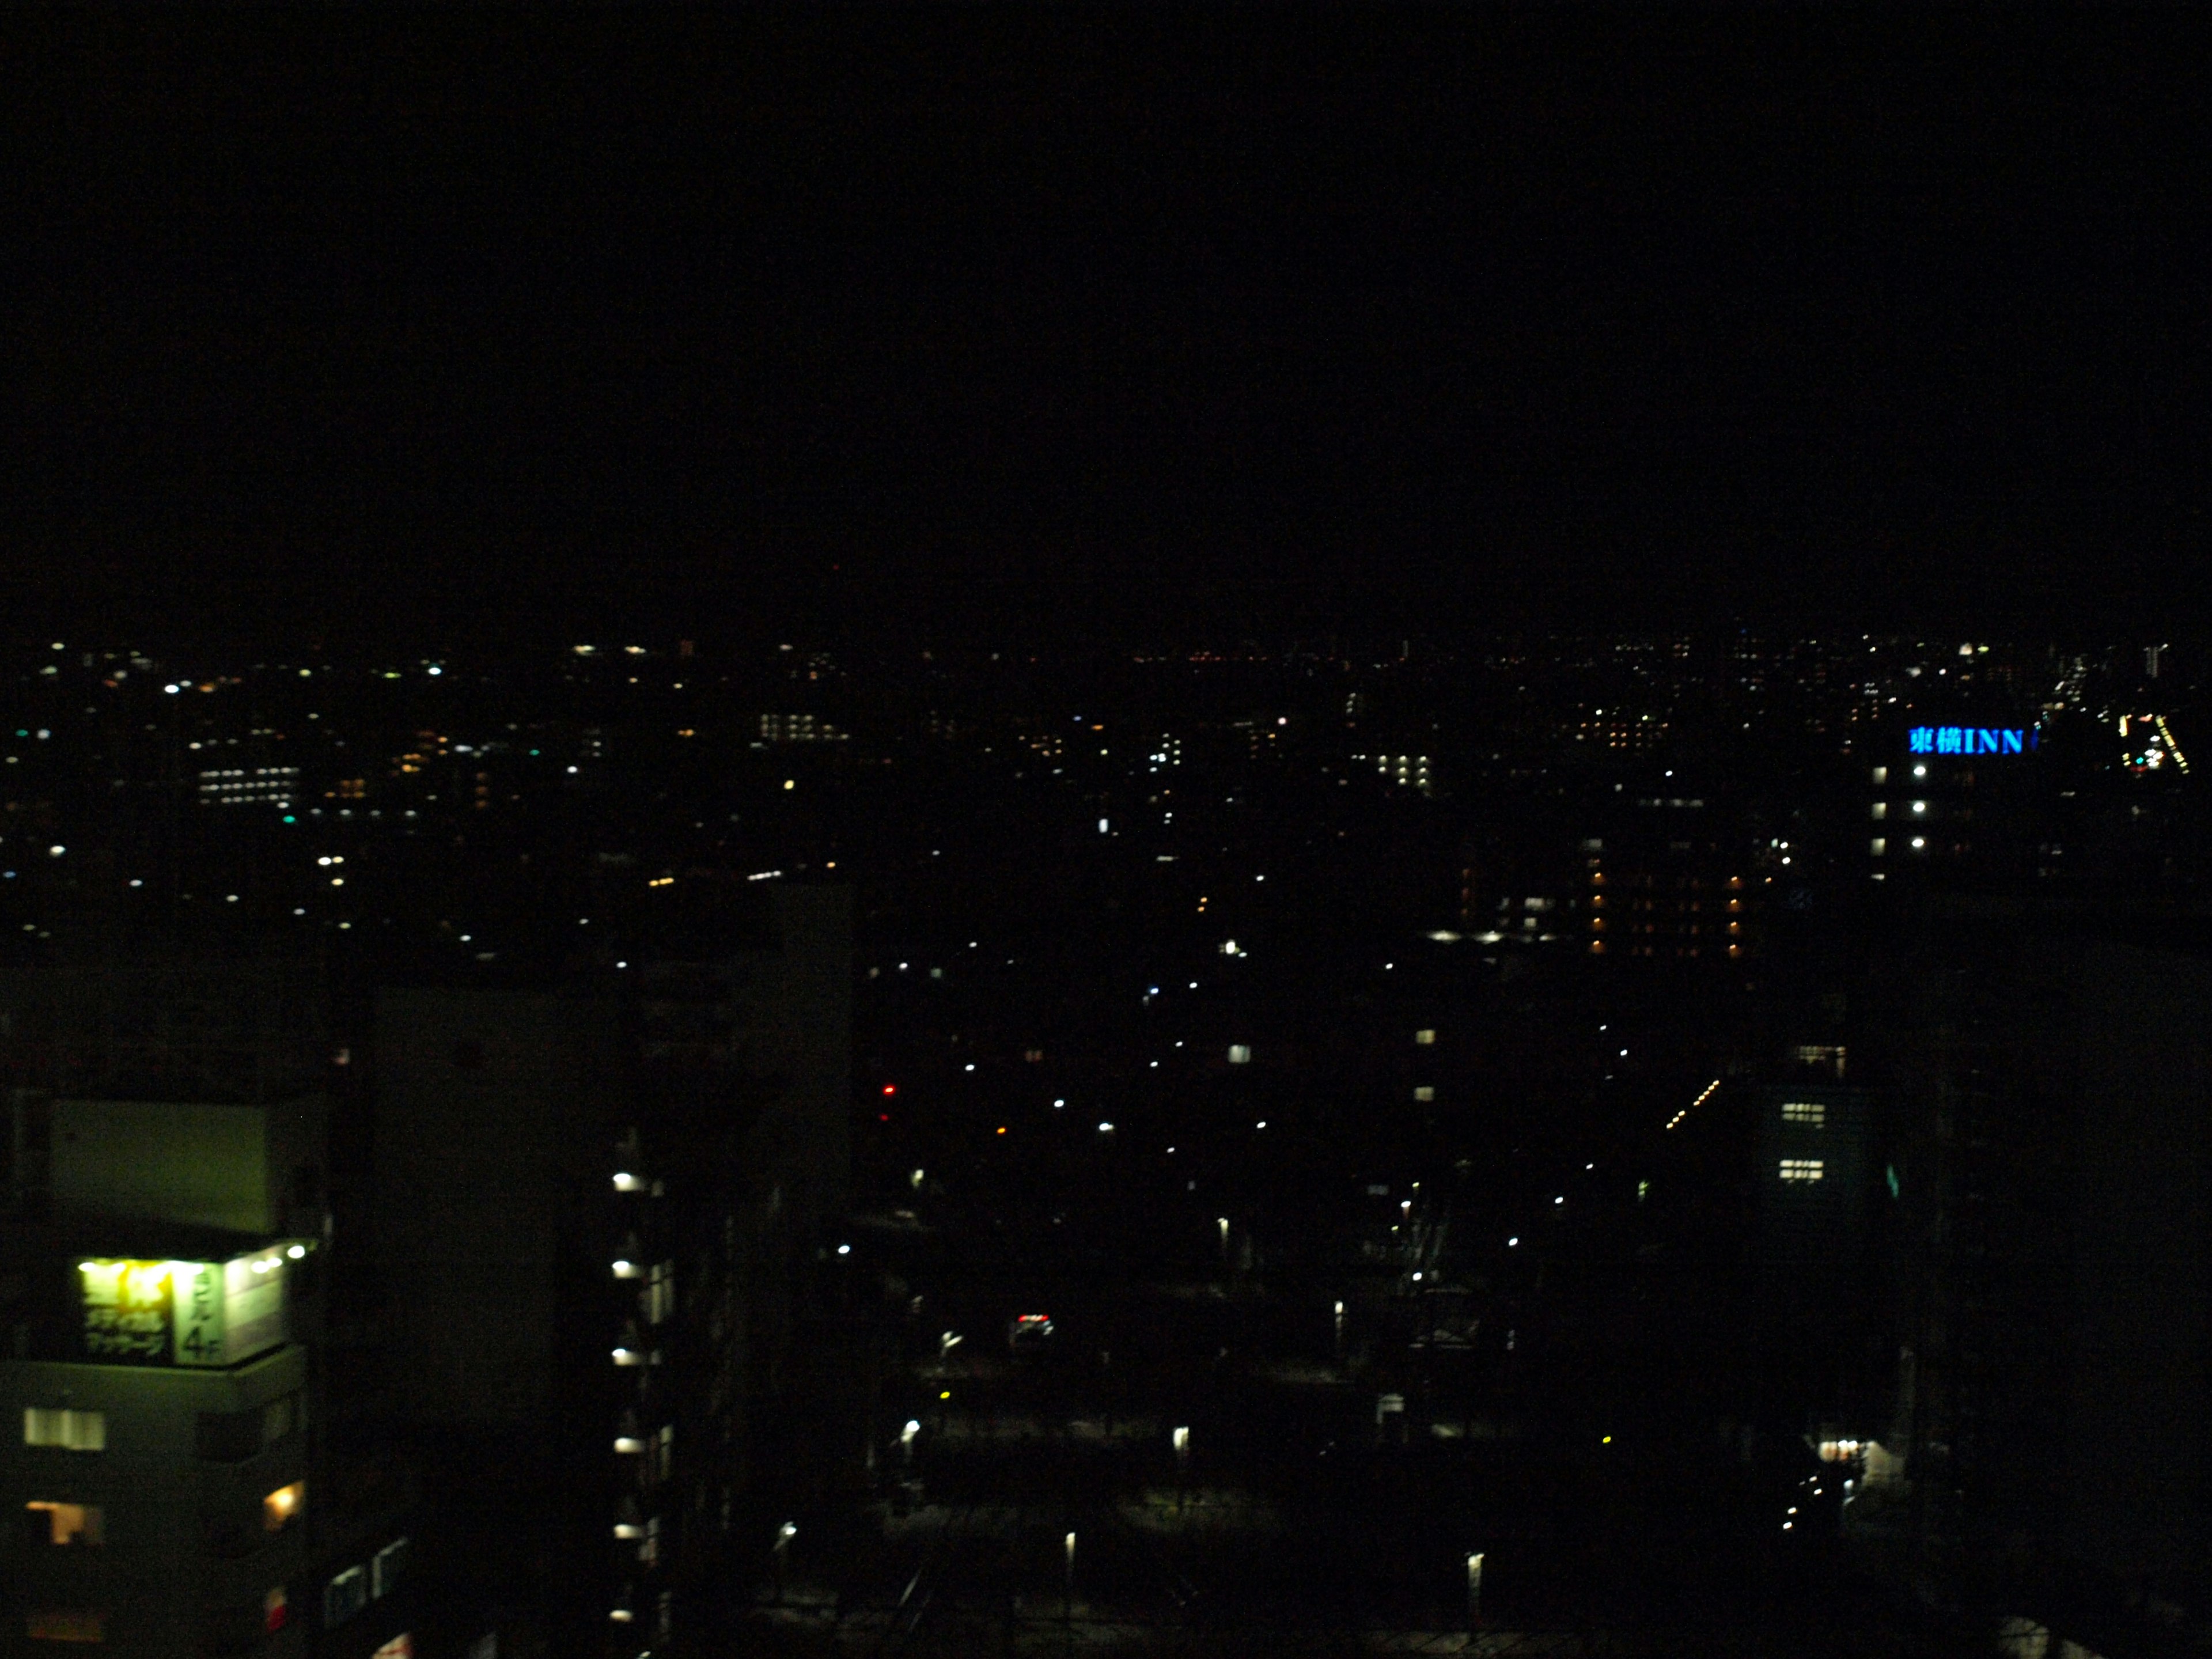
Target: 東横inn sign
(1970,739)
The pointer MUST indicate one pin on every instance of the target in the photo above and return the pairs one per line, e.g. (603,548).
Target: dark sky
(1450,313)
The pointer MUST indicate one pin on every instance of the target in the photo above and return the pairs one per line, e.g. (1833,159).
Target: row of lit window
(1597,949)
(349,1591)
(222,1438)
(54,1521)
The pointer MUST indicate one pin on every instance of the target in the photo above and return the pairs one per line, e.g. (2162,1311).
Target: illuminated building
(1408,771)
(1675,900)
(1620,731)
(798,728)
(161,1442)
(1950,796)
(250,786)
(1814,1189)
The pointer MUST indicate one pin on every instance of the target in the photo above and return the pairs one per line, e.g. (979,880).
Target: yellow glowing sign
(183,1313)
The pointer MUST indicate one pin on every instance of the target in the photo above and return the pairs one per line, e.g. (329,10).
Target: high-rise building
(2043,1445)
(726,1347)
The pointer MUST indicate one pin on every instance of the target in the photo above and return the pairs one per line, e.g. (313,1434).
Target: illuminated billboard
(185,1313)
(1971,739)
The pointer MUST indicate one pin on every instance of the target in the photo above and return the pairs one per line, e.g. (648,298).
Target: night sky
(1146,317)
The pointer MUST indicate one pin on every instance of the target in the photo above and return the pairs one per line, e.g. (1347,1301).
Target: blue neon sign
(1970,739)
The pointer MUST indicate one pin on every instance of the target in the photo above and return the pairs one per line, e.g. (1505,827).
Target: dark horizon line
(1071,613)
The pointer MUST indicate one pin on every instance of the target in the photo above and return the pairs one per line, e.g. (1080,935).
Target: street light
(1339,1331)
(1473,1590)
(1069,1603)
(1222,1222)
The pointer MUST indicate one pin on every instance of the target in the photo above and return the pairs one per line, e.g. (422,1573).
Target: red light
(1033,1319)
(883,1117)
(890,1089)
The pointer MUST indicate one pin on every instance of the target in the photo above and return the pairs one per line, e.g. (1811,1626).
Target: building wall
(1813,1230)
(182,1536)
(249,1168)
(2137,1446)
(491,1108)
(801,1027)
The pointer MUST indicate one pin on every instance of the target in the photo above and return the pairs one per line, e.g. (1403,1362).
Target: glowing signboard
(1971,739)
(183,1313)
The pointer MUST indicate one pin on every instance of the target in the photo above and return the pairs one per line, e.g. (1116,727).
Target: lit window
(401,1646)
(277,1419)
(1882,809)
(280,1506)
(66,1625)
(73,1431)
(1424,1037)
(346,1594)
(1814,1114)
(63,1523)
(1240,1053)
(1802,1168)
(387,1567)
(275,1610)
(1424,1092)
(1878,846)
